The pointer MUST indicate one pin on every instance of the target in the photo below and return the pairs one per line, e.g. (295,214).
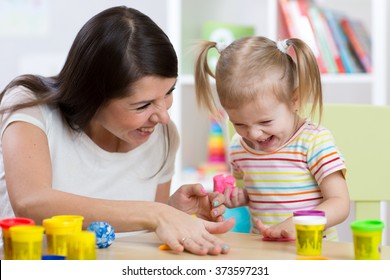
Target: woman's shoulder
(39,115)
(17,95)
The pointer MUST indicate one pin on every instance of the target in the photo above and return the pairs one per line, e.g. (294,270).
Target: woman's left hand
(195,200)
(182,232)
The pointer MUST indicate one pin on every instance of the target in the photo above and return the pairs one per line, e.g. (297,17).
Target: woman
(96,140)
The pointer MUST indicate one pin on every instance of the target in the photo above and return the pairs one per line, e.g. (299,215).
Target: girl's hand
(181,231)
(285,229)
(239,197)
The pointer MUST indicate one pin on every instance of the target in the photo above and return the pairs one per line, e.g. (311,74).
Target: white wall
(43,50)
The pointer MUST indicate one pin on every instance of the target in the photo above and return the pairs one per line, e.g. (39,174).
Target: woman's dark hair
(114,49)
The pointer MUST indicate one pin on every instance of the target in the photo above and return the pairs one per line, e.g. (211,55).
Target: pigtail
(204,96)
(309,78)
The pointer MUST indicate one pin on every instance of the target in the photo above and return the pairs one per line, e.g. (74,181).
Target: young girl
(287,162)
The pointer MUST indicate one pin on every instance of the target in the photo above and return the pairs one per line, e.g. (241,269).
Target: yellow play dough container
(367,238)
(6,224)
(26,242)
(82,246)
(309,234)
(57,234)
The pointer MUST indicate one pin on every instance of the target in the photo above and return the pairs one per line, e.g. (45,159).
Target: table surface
(244,246)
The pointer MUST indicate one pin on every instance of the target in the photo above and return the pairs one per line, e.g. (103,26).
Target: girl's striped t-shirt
(288,179)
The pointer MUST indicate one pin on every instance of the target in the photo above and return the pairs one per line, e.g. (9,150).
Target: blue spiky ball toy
(104,232)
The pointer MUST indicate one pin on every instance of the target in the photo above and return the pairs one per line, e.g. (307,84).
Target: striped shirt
(288,179)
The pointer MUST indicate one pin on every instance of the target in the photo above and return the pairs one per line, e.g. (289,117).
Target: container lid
(309,213)
(10,222)
(367,225)
(53,257)
(68,217)
(309,220)
(58,223)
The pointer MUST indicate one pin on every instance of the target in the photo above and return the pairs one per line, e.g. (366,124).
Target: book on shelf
(340,43)
(356,45)
(321,34)
(362,35)
(296,22)
(332,43)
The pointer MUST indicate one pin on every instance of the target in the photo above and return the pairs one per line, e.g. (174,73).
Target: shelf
(188,80)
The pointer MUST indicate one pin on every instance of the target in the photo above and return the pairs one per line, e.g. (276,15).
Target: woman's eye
(143,107)
(170,92)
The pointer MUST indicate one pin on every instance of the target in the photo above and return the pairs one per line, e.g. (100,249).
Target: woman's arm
(28,172)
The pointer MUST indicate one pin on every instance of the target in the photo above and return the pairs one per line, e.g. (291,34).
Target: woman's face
(124,124)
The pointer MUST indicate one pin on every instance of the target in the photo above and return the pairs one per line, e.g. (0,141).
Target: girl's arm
(335,205)
(28,172)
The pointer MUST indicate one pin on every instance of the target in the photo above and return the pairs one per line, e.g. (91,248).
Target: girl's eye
(239,126)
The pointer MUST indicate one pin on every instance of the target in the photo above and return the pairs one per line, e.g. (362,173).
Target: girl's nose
(254,133)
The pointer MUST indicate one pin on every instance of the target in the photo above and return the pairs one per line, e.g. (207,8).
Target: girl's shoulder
(310,129)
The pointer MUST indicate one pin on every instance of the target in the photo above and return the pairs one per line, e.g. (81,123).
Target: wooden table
(243,247)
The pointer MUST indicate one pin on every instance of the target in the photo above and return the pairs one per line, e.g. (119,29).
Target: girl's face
(124,124)
(266,124)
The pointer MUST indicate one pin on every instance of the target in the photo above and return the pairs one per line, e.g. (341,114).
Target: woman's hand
(181,231)
(195,200)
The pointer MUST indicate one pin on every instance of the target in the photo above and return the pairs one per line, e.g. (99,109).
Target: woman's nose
(161,116)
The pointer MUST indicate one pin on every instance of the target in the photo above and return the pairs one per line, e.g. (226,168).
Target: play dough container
(57,234)
(78,220)
(367,238)
(6,224)
(309,232)
(309,213)
(26,242)
(82,246)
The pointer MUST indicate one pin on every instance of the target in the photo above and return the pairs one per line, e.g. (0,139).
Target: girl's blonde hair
(252,66)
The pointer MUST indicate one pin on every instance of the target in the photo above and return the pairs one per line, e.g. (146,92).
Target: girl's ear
(295,100)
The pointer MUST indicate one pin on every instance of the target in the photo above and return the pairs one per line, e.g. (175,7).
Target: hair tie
(220,46)
(282,45)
